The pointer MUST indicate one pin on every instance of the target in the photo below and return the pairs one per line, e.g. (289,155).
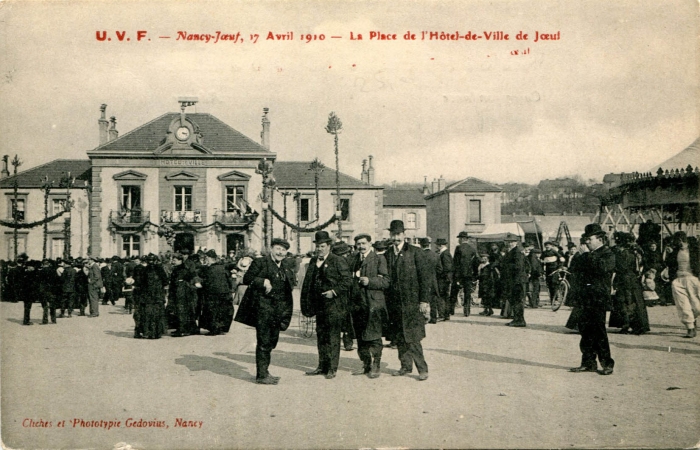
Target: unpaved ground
(489,386)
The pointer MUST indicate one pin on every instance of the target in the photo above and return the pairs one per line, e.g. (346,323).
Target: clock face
(182,133)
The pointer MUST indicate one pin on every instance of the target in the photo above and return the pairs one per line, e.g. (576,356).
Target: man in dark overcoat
(597,267)
(408,299)
(515,277)
(535,274)
(444,276)
(217,310)
(368,305)
(323,294)
(66,290)
(466,263)
(49,290)
(433,267)
(267,304)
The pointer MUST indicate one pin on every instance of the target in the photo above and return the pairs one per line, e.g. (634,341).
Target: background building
(467,205)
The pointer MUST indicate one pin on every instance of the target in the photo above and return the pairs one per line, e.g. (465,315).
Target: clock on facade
(182,133)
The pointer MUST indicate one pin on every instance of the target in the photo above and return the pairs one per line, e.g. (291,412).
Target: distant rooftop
(468,185)
(297,175)
(404,197)
(80,169)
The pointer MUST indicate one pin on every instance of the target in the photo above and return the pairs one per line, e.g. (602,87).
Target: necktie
(321,258)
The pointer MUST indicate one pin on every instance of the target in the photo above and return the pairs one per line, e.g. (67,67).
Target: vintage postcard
(328,173)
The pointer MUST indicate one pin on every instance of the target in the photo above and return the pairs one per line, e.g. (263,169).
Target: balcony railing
(180,216)
(129,217)
(233,217)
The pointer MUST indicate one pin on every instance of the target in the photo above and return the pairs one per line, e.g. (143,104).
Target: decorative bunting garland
(302,229)
(21,225)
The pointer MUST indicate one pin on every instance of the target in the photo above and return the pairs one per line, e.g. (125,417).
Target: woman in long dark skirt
(183,296)
(629,288)
(150,284)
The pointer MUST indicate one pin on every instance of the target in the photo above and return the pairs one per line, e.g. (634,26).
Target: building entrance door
(184,241)
(234,242)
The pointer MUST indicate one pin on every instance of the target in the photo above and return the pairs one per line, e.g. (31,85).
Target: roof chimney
(5,172)
(265,134)
(113,133)
(370,172)
(103,125)
(426,189)
(441,183)
(434,186)
(363,177)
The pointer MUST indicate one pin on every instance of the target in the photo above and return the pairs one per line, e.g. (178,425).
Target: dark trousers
(594,338)
(465,284)
(535,291)
(410,353)
(94,298)
(444,301)
(49,305)
(81,301)
(67,302)
(328,328)
(348,332)
(27,311)
(552,284)
(267,333)
(368,351)
(517,302)
(129,300)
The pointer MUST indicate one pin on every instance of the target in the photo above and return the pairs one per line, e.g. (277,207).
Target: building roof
(296,175)
(691,155)
(80,169)
(216,136)
(469,184)
(404,197)
(612,178)
(557,183)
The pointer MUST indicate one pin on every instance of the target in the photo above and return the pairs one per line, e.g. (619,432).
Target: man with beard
(368,305)
(268,304)
(407,300)
(597,267)
(323,294)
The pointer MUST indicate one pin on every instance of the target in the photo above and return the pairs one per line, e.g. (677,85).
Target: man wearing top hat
(323,291)
(268,304)
(444,276)
(466,263)
(408,299)
(596,269)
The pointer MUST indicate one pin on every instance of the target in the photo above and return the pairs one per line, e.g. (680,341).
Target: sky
(618,91)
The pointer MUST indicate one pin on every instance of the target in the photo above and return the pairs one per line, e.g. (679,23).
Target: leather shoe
(363,371)
(318,371)
(330,375)
(518,324)
(267,380)
(582,369)
(422,377)
(401,372)
(605,371)
(691,333)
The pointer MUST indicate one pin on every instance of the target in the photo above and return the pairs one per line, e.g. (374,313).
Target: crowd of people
(373,290)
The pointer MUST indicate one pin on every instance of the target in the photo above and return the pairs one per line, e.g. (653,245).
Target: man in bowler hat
(515,277)
(444,276)
(408,299)
(466,263)
(597,267)
(323,294)
(267,304)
